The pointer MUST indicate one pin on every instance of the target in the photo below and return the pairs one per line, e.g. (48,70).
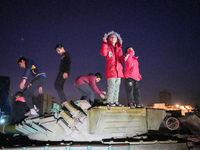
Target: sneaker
(91,103)
(132,106)
(111,104)
(29,112)
(117,104)
(36,109)
(32,116)
(139,106)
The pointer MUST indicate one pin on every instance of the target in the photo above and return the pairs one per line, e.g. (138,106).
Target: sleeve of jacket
(67,63)
(139,76)
(121,57)
(93,85)
(120,52)
(104,49)
(27,71)
(128,59)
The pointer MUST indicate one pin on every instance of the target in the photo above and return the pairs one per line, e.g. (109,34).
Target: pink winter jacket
(113,57)
(131,67)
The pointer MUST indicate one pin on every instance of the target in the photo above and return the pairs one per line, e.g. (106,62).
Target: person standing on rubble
(111,49)
(37,83)
(132,77)
(63,74)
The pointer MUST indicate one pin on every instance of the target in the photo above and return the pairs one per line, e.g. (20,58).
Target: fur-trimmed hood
(119,39)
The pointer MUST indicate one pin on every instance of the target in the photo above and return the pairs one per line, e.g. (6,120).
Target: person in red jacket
(132,76)
(86,85)
(111,49)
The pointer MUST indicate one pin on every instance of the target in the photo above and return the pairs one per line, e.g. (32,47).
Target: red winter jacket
(114,57)
(131,67)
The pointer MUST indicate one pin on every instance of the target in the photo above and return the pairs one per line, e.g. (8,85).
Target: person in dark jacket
(19,108)
(64,71)
(37,83)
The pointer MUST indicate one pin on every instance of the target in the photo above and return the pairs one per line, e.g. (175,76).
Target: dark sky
(164,34)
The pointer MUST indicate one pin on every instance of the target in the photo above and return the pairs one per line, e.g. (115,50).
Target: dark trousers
(59,84)
(31,88)
(132,91)
(21,109)
(86,91)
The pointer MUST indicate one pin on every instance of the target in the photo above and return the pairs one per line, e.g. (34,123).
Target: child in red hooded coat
(132,76)
(111,49)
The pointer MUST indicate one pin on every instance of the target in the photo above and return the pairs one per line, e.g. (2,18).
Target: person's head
(19,94)
(60,49)
(21,61)
(98,77)
(113,39)
(130,48)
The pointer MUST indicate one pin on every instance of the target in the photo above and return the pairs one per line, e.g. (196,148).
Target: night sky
(164,34)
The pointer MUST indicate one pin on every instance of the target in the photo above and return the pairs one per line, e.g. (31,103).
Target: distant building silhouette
(165,97)
(44,103)
(5,95)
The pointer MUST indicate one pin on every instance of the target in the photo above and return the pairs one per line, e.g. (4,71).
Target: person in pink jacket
(111,49)
(132,76)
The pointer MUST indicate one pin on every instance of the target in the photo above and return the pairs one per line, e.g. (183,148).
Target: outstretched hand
(65,75)
(105,40)
(22,84)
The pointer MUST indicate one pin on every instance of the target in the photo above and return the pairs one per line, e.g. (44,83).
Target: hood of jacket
(119,39)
